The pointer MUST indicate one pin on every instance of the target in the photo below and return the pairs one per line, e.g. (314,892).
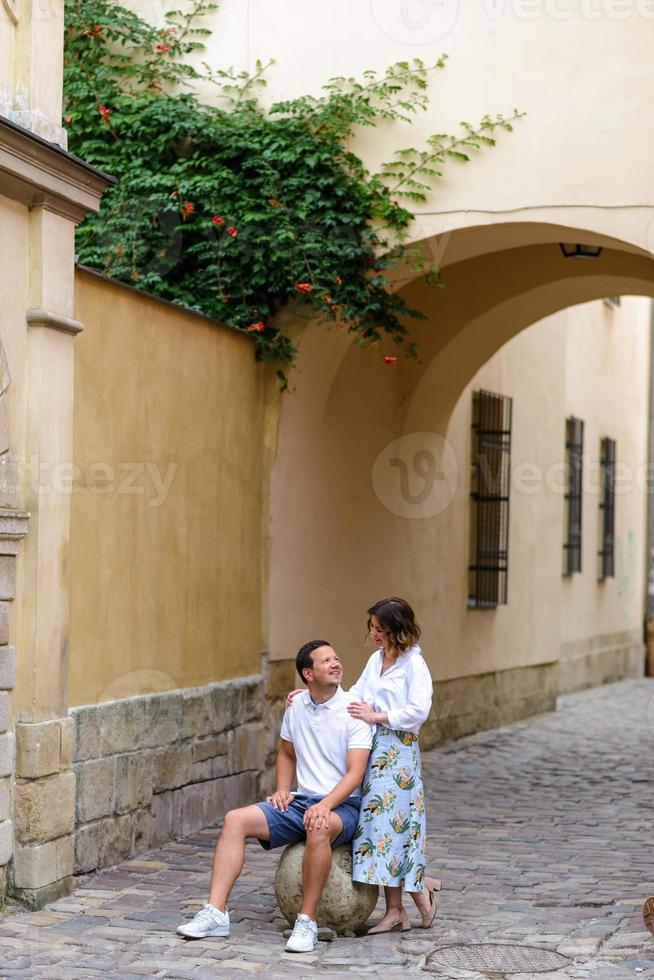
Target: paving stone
(78,922)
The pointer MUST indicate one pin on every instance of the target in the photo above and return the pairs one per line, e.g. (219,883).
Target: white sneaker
(209,921)
(304,936)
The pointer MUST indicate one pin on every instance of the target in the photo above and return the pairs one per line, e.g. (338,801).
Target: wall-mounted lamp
(580,251)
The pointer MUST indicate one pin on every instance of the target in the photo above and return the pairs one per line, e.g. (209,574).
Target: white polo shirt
(322,735)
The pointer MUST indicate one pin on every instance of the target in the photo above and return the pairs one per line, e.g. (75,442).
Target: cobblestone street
(540,831)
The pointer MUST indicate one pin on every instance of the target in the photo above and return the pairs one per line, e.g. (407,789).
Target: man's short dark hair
(304,659)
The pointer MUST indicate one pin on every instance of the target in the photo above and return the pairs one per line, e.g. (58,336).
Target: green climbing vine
(234,209)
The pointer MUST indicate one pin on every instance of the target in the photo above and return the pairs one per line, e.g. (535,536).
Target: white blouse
(404,691)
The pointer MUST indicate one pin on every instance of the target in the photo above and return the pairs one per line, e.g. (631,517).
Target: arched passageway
(340,539)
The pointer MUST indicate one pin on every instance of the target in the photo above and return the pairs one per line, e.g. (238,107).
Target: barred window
(489,517)
(607,508)
(574,448)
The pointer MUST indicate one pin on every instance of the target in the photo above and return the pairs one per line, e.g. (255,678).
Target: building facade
(172,527)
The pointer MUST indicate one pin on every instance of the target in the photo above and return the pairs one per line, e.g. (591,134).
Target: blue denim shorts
(286,827)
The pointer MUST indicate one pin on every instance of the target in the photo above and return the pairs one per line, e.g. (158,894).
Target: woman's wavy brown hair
(397,619)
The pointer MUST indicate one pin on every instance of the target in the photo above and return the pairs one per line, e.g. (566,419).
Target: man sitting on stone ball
(328,750)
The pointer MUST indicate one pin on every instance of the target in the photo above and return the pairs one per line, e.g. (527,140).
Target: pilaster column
(44,798)
(57,190)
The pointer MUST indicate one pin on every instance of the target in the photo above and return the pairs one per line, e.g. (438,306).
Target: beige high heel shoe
(432,885)
(401,924)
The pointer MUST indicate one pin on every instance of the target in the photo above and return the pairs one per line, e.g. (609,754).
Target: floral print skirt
(389,842)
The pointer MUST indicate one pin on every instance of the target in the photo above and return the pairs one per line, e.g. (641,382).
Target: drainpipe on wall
(649,602)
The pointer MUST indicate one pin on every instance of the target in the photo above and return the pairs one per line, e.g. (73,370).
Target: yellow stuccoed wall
(165,555)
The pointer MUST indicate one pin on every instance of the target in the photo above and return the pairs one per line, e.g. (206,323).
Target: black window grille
(489,518)
(607,508)
(574,446)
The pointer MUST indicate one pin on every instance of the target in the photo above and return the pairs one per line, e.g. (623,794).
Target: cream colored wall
(14,289)
(43,72)
(579,68)
(7,67)
(165,584)
(31,66)
(592,362)
(531,370)
(340,543)
(604,342)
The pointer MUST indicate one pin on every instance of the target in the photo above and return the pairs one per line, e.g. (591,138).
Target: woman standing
(394,693)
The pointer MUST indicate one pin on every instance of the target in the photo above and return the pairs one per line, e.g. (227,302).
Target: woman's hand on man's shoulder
(291,695)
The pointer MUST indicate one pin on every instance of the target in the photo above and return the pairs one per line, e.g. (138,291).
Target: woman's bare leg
(394,913)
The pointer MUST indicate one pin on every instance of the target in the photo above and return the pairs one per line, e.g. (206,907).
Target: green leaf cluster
(236,210)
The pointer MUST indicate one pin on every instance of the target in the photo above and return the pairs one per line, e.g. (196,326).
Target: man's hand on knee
(281,800)
(317,817)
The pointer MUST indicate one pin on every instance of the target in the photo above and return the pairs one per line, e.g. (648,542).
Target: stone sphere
(344,904)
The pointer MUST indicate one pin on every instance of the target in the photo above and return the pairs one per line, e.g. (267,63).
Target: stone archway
(512,288)
(347,406)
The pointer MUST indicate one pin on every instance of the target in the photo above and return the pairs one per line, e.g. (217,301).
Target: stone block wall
(601,659)
(465,705)
(156,766)
(281,677)
(7,682)
(44,811)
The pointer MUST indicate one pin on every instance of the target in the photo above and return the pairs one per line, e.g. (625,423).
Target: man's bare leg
(229,855)
(317,863)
